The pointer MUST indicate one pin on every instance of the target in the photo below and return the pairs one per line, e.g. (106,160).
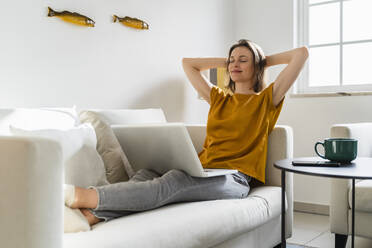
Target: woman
(238,127)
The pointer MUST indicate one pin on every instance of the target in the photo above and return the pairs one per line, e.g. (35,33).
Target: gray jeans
(148,190)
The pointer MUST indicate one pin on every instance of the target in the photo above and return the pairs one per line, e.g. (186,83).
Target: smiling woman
(246,65)
(239,124)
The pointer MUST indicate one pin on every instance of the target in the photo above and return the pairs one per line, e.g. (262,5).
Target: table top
(360,168)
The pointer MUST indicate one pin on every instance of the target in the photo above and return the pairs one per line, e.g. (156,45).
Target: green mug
(338,149)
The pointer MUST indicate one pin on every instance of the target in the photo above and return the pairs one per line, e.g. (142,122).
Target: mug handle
(315,147)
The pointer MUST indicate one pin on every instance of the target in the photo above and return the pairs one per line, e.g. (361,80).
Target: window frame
(302,39)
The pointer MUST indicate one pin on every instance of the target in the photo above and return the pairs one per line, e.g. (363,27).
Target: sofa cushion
(131,116)
(194,224)
(363,196)
(37,118)
(82,163)
(117,166)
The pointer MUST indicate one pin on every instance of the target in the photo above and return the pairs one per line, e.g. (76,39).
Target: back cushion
(37,118)
(131,116)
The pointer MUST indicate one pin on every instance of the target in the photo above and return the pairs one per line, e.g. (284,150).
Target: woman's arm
(192,68)
(295,59)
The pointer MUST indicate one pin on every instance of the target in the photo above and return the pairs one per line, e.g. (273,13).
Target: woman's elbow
(305,51)
(185,61)
(188,63)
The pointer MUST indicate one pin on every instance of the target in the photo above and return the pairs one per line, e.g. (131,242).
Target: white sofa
(31,201)
(340,207)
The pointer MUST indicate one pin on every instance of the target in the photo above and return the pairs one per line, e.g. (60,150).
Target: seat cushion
(194,224)
(363,196)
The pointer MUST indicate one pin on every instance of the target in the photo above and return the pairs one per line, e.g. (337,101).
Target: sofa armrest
(339,204)
(280,147)
(31,178)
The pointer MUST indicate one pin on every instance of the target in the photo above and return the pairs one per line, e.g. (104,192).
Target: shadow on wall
(168,95)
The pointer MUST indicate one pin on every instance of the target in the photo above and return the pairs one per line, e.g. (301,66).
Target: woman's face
(241,64)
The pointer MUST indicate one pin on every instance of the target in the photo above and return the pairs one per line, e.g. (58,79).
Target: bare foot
(85,198)
(89,216)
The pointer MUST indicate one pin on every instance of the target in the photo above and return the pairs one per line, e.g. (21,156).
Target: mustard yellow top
(237,131)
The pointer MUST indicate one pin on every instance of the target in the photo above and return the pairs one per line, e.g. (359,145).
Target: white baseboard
(311,208)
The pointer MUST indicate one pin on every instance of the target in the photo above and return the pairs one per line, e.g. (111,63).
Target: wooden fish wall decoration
(70,17)
(131,22)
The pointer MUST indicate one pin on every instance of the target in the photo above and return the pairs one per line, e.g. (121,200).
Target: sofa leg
(340,240)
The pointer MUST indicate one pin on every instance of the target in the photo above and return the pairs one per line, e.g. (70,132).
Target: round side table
(360,168)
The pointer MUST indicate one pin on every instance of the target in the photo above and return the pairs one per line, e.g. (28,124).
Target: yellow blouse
(237,131)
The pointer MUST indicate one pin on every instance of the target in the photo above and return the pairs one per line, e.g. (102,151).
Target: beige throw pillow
(118,168)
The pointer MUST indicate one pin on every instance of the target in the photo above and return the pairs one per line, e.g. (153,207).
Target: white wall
(270,23)
(47,62)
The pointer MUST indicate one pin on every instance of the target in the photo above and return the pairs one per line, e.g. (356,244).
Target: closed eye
(232,61)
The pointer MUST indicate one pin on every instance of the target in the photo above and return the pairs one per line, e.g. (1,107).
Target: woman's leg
(121,199)
(87,199)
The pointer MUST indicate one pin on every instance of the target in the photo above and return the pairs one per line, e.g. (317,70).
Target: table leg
(284,242)
(353,214)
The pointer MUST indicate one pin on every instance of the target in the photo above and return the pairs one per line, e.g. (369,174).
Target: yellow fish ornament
(131,22)
(70,17)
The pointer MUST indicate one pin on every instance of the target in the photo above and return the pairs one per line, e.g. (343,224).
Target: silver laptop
(163,147)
